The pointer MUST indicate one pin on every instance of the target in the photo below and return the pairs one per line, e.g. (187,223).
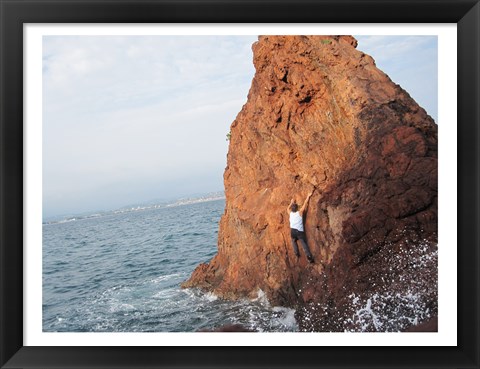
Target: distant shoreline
(99,214)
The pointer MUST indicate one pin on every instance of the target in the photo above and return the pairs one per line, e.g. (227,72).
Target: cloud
(126,115)
(102,73)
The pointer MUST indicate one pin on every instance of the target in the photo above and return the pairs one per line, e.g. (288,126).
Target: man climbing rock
(296,227)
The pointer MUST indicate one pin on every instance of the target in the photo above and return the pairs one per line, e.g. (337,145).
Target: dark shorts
(297,235)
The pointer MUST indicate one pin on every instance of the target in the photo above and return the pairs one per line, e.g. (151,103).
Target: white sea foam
(262,298)
(210,296)
(167,277)
(403,296)
(376,313)
(286,318)
(116,306)
(165,294)
(393,310)
(256,314)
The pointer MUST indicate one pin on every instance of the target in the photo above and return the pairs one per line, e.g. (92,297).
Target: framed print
(321,246)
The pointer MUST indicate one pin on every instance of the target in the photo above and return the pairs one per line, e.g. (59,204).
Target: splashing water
(405,295)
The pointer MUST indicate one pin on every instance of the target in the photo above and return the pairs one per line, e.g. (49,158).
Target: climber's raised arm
(305,204)
(289,208)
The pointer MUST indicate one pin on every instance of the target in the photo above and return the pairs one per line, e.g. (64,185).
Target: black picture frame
(15,13)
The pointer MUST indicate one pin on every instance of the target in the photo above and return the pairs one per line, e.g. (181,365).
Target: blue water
(122,273)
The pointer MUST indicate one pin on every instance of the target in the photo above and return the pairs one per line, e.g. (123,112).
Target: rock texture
(320,115)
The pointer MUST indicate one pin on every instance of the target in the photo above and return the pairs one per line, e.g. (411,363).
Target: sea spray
(399,302)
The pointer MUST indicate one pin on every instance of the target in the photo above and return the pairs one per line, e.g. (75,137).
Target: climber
(296,226)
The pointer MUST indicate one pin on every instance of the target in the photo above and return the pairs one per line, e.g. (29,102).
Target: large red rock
(320,115)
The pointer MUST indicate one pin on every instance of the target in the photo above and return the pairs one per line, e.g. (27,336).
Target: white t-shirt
(296,221)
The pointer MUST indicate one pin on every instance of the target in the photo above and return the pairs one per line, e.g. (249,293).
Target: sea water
(121,272)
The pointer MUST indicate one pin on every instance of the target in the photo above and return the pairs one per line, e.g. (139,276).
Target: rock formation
(320,115)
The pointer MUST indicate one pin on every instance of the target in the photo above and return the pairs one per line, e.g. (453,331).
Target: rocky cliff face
(320,115)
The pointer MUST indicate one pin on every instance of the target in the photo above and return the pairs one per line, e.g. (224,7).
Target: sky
(130,119)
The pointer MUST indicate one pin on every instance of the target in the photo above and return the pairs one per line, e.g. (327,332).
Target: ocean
(121,272)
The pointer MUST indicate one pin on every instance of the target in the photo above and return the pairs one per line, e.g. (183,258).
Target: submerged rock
(320,115)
